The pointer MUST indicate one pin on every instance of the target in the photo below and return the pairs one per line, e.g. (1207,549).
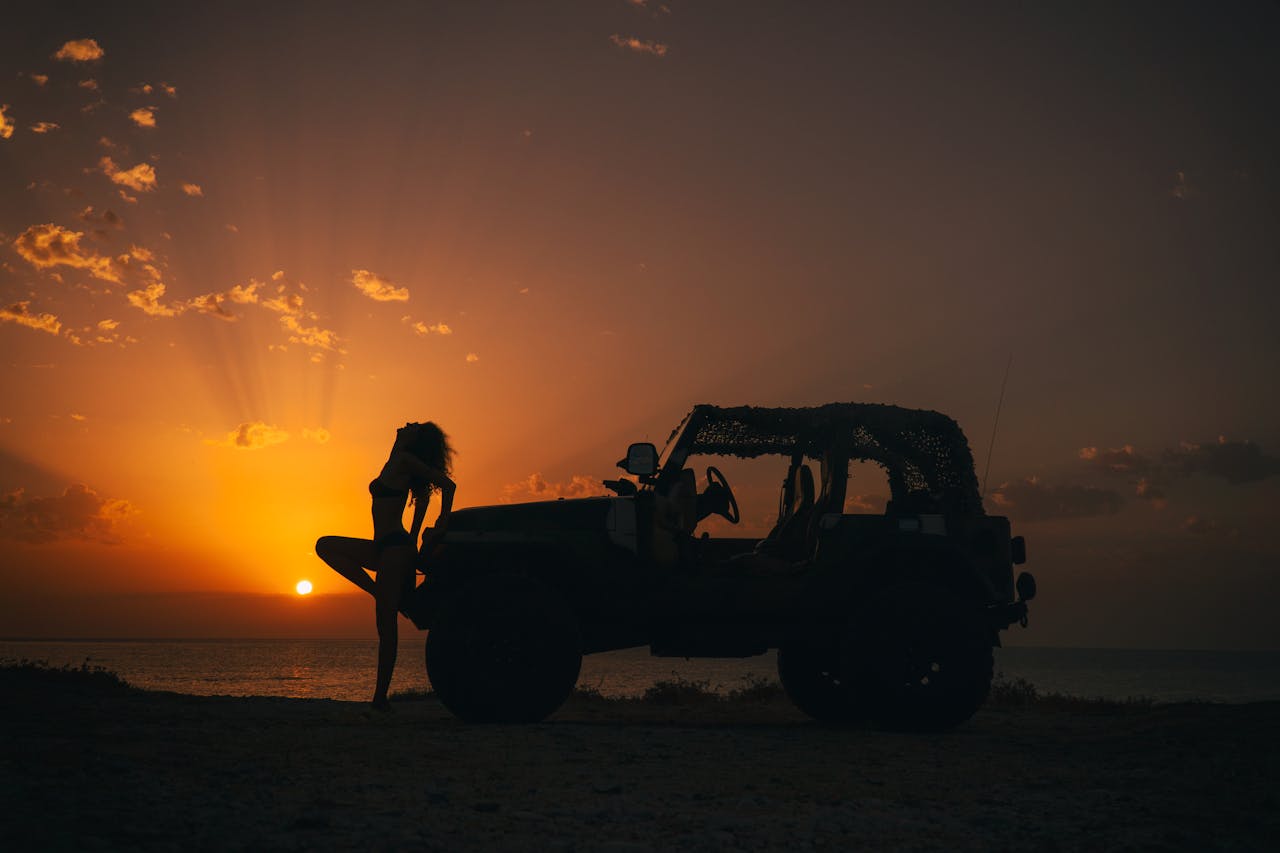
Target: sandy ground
(123,769)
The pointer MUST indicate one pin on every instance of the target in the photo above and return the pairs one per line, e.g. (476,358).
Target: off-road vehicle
(888,618)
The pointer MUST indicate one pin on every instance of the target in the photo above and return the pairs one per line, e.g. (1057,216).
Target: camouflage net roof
(922,451)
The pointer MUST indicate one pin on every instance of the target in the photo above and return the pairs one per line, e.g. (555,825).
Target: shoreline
(94,763)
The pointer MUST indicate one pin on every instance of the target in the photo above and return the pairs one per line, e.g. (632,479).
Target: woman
(420,463)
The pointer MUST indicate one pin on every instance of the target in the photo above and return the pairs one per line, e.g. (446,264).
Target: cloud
(1207,527)
(1117,460)
(319,435)
(377,288)
(636,45)
(535,487)
(148,300)
(311,336)
(423,329)
(1031,500)
(141,177)
(44,126)
(6,123)
(1181,189)
(79,513)
(213,305)
(90,85)
(20,313)
(1236,462)
(252,435)
(193,190)
(104,222)
(80,50)
(472,358)
(1151,493)
(144,117)
(865,503)
(48,245)
(38,79)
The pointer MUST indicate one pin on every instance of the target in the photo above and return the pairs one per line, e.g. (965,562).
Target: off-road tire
(507,649)
(919,657)
(811,678)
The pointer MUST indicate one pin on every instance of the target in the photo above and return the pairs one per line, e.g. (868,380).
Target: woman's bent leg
(389,585)
(350,557)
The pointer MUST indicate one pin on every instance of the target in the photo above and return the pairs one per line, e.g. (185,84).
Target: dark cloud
(1032,500)
(1234,461)
(79,513)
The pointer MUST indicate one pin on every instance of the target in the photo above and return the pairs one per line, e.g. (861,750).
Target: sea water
(344,669)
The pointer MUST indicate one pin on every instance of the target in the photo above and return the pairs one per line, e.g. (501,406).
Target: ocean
(344,669)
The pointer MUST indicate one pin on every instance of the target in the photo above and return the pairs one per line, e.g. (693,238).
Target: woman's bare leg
(350,557)
(389,584)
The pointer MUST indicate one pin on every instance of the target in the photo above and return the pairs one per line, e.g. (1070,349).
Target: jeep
(882,618)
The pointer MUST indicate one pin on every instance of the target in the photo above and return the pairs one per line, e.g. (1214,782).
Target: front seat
(788,538)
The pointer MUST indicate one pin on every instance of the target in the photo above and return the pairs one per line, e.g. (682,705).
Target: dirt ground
(88,768)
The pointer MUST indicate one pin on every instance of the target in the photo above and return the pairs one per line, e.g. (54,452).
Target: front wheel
(505,650)
(920,657)
(812,680)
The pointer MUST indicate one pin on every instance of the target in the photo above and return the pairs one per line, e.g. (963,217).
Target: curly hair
(431,445)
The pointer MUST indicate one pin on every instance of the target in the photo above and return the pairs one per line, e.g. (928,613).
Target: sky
(240,244)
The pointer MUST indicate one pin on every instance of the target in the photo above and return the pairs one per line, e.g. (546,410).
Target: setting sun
(303,587)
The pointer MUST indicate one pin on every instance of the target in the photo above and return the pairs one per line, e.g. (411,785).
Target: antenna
(991,447)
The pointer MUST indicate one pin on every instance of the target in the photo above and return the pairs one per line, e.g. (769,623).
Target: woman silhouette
(420,463)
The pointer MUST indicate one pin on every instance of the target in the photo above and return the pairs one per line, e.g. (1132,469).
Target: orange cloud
(50,245)
(144,117)
(19,312)
(377,288)
(141,177)
(319,435)
(80,50)
(472,358)
(38,79)
(535,487)
(6,123)
(310,336)
(193,190)
(148,300)
(252,435)
(44,126)
(90,85)
(636,45)
(78,513)
(423,329)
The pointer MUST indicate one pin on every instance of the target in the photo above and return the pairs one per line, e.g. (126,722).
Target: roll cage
(925,453)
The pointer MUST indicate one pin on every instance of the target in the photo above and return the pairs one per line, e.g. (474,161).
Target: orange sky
(239,246)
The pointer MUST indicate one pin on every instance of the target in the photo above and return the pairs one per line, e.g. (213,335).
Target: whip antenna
(996,423)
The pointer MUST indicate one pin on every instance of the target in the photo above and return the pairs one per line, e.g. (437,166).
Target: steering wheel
(715,477)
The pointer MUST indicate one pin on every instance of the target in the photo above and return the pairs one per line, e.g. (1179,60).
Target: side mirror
(642,460)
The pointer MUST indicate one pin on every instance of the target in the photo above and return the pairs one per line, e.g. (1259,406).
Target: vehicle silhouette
(886,618)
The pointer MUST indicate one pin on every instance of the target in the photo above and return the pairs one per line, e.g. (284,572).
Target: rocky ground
(88,764)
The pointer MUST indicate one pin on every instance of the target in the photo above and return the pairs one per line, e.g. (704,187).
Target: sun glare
(303,587)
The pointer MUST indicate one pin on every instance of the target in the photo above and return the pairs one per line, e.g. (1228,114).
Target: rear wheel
(505,650)
(920,657)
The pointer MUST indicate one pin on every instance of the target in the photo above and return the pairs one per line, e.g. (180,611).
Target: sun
(303,587)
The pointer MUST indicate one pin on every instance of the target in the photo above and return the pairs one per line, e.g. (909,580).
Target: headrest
(802,488)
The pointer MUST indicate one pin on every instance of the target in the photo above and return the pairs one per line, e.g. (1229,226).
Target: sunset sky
(241,243)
